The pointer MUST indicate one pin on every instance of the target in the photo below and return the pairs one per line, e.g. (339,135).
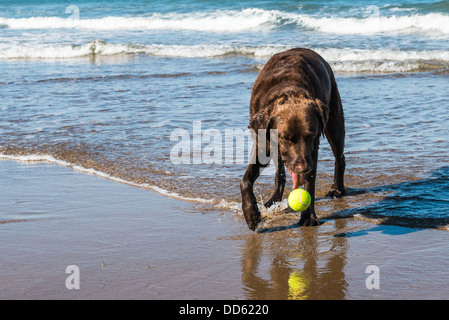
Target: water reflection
(308,263)
(290,262)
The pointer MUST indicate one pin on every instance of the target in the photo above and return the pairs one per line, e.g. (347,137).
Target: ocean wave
(63,163)
(431,23)
(43,51)
(244,20)
(217,203)
(218,21)
(98,47)
(277,210)
(385,60)
(341,59)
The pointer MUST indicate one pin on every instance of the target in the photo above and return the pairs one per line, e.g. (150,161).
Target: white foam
(382,60)
(209,51)
(43,51)
(396,9)
(216,21)
(97,47)
(234,206)
(341,59)
(278,209)
(51,159)
(431,23)
(242,20)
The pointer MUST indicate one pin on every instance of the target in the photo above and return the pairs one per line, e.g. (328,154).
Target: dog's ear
(261,121)
(323,114)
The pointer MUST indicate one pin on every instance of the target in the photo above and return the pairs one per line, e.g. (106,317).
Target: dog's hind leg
(335,134)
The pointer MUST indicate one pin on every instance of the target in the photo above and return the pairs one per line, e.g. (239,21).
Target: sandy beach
(124,138)
(132,243)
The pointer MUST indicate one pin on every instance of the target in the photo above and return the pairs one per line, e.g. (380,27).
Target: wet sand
(132,243)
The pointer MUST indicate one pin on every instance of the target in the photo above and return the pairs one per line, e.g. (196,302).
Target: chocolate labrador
(295,94)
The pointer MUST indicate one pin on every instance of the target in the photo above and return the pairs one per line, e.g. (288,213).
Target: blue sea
(150,93)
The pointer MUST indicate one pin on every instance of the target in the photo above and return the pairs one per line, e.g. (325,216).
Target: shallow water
(110,90)
(161,248)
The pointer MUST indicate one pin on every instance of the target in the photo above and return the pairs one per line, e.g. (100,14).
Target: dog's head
(299,123)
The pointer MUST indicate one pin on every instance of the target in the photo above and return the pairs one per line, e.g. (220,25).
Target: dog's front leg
(308,217)
(249,201)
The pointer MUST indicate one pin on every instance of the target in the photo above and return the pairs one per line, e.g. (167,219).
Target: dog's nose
(303,168)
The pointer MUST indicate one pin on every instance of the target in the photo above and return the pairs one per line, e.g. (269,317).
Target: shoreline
(133,243)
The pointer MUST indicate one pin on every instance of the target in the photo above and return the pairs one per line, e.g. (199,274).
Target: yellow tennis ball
(299,199)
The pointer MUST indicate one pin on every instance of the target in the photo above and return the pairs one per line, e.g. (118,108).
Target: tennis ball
(299,199)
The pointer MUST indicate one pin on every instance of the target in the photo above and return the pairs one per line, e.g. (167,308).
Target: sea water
(156,94)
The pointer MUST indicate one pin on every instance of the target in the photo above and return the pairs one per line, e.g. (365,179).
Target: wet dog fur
(296,94)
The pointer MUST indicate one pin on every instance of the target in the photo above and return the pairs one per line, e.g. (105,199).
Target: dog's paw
(253,222)
(334,193)
(269,203)
(308,220)
(252,215)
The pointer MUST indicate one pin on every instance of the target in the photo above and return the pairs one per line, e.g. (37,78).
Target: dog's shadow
(414,205)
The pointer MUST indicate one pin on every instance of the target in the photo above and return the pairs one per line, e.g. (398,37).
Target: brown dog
(296,94)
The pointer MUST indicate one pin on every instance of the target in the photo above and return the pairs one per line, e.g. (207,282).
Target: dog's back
(291,72)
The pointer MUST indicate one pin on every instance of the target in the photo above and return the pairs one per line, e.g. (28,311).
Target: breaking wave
(219,21)
(341,59)
(431,23)
(63,163)
(245,20)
